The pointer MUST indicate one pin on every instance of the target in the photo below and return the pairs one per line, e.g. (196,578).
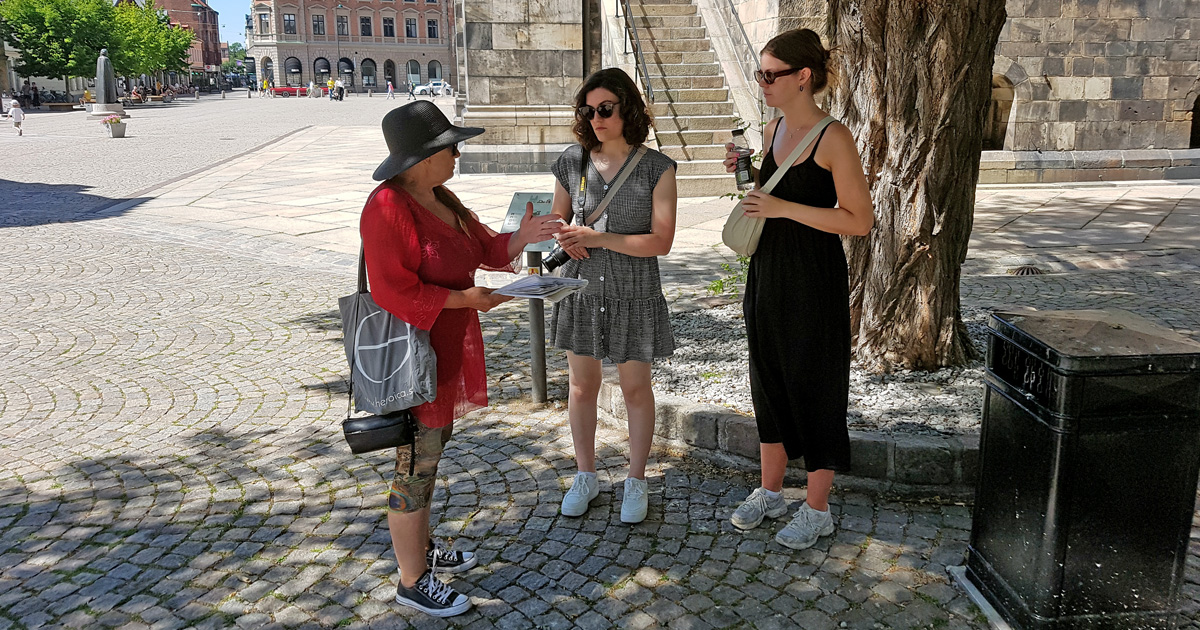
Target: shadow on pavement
(24,204)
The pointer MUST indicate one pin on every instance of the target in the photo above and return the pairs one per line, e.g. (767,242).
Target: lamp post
(337,30)
(220,71)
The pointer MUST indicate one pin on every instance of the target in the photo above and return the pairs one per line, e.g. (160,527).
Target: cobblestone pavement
(171,387)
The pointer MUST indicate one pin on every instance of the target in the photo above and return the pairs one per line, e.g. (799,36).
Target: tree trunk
(915,83)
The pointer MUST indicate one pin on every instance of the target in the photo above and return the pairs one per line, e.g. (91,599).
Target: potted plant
(116,128)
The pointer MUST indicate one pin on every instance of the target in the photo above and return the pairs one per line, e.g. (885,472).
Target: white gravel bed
(709,365)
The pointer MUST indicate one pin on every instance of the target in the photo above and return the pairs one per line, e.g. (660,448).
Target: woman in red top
(422,247)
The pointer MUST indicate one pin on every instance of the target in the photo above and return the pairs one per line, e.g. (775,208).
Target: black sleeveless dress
(797,309)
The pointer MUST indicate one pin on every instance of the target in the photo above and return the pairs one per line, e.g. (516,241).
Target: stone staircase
(692,107)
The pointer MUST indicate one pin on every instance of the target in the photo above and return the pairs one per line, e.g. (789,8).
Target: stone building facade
(1082,89)
(366,42)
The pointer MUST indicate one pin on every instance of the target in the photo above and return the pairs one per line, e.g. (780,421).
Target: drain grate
(1026,270)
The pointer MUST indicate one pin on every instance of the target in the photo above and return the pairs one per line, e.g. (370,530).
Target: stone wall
(524,60)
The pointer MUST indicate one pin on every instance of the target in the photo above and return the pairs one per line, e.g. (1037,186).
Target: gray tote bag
(392,364)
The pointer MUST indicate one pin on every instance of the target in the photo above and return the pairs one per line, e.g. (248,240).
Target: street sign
(516,210)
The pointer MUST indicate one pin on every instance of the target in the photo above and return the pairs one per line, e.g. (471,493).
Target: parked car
(437,86)
(294,91)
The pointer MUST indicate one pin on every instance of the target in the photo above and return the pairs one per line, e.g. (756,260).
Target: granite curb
(914,466)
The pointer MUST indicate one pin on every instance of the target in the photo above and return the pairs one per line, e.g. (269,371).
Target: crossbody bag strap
(615,186)
(812,134)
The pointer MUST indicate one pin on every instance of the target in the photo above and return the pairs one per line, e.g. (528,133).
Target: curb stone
(914,466)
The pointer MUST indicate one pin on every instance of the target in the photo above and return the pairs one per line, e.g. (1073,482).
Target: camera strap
(623,175)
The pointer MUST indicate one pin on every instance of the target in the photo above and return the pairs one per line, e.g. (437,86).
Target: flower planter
(117,130)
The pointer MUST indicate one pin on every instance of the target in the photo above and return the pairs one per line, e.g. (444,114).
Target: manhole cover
(1026,270)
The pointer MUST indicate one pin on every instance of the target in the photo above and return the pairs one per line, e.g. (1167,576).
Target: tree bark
(914,88)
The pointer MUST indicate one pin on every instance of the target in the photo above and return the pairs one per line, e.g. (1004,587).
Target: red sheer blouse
(414,259)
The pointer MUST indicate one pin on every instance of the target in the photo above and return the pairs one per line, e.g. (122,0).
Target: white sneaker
(756,507)
(585,488)
(805,527)
(634,503)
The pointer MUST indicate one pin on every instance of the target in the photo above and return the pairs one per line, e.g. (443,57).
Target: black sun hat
(414,132)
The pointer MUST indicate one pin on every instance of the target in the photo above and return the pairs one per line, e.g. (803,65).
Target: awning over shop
(292,65)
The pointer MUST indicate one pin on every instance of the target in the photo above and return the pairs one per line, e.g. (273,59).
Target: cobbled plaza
(172,387)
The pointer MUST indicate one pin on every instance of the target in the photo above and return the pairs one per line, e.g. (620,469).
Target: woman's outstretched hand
(535,229)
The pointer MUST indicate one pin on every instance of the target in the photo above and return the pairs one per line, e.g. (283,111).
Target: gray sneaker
(756,507)
(805,527)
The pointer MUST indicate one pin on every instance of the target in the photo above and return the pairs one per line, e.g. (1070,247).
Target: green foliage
(237,51)
(733,282)
(57,37)
(148,43)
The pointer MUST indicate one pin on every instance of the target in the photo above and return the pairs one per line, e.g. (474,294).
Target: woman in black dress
(797,302)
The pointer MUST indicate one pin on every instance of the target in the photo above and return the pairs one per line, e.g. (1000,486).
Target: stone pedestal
(100,110)
(523,63)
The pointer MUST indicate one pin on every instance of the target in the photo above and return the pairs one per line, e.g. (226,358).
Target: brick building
(204,21)
(366,42)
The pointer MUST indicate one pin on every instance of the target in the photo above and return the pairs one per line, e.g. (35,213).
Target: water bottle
(743,174)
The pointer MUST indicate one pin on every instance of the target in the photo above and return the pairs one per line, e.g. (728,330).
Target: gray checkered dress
(622,314)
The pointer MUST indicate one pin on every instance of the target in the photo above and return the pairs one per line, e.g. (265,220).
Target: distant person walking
(410,90)
(36,95)
(17,115)
(391,90)
(329,87)
(341,89)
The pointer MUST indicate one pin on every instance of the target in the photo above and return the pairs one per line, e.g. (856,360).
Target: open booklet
(539,287)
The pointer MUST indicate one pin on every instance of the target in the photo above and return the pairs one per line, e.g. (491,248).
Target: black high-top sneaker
(431,596)
(441,558)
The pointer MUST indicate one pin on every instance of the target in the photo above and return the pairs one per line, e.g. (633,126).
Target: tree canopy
(64,37)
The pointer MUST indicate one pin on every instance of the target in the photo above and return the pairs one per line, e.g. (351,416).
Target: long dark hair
(631,108)
(802,48)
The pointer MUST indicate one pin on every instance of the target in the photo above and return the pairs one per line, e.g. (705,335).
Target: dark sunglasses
(769,76)
(605,110)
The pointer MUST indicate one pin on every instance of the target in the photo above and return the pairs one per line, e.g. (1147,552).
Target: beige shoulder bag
(741,232)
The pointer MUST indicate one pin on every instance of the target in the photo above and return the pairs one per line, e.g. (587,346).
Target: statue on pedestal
(107,101)
(106,81)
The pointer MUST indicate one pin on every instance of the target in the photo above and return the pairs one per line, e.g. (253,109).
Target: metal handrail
(643,69)
(743,47)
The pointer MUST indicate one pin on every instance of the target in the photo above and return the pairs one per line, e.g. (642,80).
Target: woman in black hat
(422,247)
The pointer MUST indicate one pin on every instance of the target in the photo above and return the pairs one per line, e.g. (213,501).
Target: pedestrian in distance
(391,90)
(35,96)
(17,116)
(411,88)
(340,86)
(329,87)
(797,301)
(422,247)
(621,315)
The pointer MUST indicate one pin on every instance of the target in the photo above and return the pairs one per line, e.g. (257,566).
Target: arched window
(435,70)
(996,123)
(268,69)
(414,71)
(321,70)
(389,71)
(293,68)
(1195,143)
(368,72)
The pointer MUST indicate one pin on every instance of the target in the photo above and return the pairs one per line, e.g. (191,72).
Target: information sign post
(533,257)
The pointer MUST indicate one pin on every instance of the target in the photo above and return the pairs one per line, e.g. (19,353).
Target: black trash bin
(1089,455)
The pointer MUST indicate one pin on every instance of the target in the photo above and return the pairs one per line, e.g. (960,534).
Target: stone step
(685,138)
(708,95)
(705,185)
(651,45)
(702,167)
(667,21)
(666,108)
(693,152)
(634,3)
(636,10)
(670,33)
(684,70)
(693,123)
(661,57)
(687,83)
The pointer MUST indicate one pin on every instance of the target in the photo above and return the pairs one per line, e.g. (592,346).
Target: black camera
(555,259)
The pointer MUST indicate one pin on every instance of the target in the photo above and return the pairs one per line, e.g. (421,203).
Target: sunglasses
(769,76)
(605,110)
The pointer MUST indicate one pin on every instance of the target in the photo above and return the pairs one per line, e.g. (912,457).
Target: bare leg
(819,484)
(410,538)
(774,463)
(581,408)
(639,404)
